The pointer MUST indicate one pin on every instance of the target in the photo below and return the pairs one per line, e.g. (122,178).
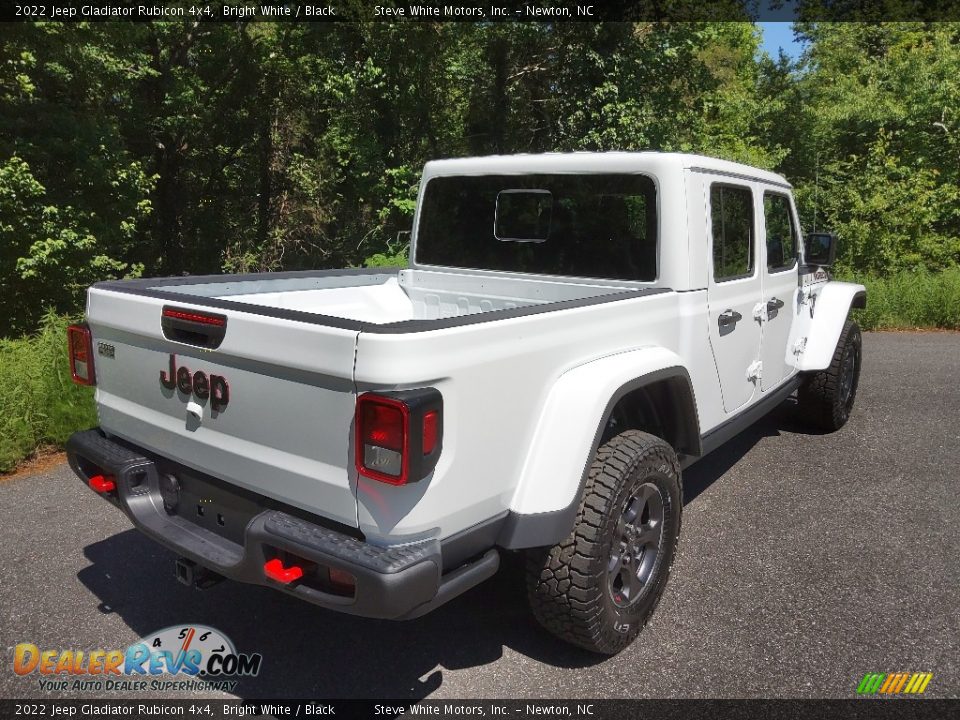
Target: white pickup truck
(572,331)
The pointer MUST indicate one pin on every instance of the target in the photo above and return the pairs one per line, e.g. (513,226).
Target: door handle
(774,304)
(729,317)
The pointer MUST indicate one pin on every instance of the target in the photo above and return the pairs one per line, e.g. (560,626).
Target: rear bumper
(398,582)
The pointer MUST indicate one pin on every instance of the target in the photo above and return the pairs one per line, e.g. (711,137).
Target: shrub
(39,403)
(911,299)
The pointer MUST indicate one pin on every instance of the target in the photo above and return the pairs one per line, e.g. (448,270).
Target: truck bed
(378,297)
(291,357)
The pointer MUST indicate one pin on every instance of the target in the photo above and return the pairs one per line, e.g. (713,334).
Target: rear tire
(826,398)
(598,587)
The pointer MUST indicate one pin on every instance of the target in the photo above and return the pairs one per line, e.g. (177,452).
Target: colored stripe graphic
(870,683)
(891,677)
(894,683)
(903,681)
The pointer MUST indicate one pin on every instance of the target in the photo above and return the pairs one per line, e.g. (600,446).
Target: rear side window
(731,212)
(781,232)
(592,226)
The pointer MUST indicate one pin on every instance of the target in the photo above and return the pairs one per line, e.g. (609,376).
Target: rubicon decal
(194,651)
(214,387)
(894,683)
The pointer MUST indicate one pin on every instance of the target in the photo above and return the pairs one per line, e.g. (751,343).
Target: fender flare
(568,433)
(830,312)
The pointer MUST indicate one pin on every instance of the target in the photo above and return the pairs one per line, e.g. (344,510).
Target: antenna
(816,190)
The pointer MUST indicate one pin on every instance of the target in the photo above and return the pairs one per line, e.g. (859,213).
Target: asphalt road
(806,560)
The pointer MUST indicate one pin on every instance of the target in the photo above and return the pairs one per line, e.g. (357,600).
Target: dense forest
(165,148)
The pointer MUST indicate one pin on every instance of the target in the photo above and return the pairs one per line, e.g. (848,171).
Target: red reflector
(193,317)
(430,431)
(275,570)
(102,483)
(80,345)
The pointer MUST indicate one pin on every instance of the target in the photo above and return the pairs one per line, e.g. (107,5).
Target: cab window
(731,211)
(781,232)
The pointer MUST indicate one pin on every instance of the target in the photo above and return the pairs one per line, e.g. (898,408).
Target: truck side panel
(559,445)
(495,379)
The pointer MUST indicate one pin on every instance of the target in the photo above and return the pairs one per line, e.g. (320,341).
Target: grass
(39,403)
(910,300)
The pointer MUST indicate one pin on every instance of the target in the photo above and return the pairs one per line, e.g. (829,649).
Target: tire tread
(817,396)
(562,587)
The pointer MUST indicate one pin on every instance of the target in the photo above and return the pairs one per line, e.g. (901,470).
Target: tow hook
(190,573)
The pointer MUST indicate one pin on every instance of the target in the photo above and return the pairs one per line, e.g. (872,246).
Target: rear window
(595,226)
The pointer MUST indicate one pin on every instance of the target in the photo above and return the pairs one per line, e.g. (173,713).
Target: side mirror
(820,249)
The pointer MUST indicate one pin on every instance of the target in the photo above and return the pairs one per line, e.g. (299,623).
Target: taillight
(194,317)
(383,427)
(398,435)
(81,354)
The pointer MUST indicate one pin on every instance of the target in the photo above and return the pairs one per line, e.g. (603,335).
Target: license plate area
(213,504)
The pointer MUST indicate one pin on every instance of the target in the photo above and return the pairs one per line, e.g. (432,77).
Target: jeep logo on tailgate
(214,387)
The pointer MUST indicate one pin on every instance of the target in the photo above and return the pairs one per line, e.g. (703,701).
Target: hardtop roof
(596,162)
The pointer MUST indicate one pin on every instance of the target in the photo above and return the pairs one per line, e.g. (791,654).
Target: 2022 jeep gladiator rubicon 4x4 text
(571,332)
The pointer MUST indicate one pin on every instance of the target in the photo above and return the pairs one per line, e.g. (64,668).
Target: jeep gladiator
(572,331)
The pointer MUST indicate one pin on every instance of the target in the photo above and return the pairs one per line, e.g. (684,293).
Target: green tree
(71,194)
(881,156)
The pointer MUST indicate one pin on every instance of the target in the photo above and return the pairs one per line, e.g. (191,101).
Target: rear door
(284,428)
(734,289)
(781,241)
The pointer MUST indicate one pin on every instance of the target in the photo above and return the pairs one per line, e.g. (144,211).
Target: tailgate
(270,409)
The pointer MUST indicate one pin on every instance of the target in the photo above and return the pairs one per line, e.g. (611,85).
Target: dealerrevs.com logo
(183,657)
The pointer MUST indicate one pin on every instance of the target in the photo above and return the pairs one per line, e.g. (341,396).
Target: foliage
(890,216)
(911,299)
(39,403)
(172,147)
(878,157)
(397,254)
